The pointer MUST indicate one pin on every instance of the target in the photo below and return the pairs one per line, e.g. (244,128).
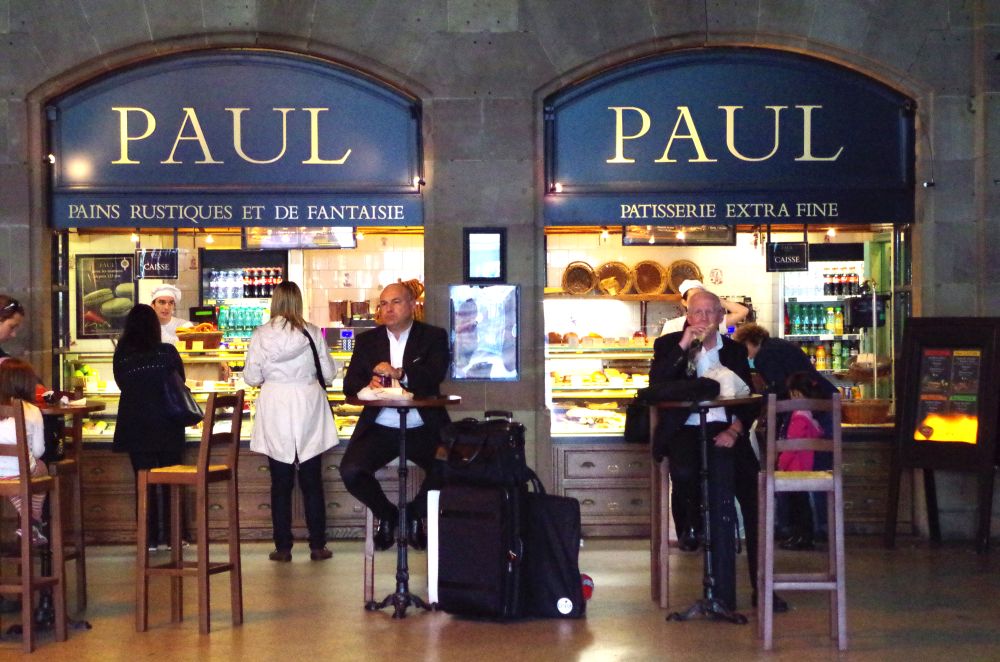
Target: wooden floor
(912,604)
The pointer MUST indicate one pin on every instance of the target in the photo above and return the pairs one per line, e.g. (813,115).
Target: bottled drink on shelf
(829,322)
(838,320)
(827,284)
(246,284)
(820,357)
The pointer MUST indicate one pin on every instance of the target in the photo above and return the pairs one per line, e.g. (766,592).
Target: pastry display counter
(92,375)
(109,484)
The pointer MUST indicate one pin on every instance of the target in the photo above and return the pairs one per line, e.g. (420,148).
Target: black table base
(401,598)
(707,606)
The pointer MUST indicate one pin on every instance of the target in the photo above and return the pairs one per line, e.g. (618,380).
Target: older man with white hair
(735,312)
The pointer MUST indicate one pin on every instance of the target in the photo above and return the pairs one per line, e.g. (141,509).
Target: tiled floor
(913,603)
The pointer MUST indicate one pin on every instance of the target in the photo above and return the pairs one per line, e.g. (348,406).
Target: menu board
(105,291)
(948,395)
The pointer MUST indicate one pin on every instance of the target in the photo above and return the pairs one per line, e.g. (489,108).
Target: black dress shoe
(779,606)
(688,541)
(416,533)
(321,554)
(797,544)
(385,534)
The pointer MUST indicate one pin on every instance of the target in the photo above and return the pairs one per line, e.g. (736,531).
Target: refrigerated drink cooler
(239,285)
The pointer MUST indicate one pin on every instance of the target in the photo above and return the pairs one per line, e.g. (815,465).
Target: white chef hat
(166,290)
(690,284)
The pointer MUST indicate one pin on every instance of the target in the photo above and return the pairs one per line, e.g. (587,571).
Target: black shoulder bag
(178,403)
(319,368)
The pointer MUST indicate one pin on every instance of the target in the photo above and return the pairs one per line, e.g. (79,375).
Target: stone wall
(481,68)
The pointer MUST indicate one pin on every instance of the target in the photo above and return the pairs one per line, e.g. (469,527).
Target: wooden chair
(28,584)
(199,476)
(69,468)
(770,482)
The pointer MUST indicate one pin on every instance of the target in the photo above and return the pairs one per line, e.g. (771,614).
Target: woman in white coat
(293,425)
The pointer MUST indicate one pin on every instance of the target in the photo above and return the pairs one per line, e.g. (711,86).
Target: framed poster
(948,401)
(484,252)
(105,293)
(484,328)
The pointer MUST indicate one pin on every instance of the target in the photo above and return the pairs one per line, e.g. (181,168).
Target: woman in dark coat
(141,365)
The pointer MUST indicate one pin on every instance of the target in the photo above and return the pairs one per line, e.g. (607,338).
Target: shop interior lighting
(681,235)
(604,234)
(557,187)
(832,232)
(51,158)
(209,239)
(418,182)
(134,237)
(359,234)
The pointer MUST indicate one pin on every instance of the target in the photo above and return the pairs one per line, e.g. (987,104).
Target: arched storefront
(784,182)
(223,172)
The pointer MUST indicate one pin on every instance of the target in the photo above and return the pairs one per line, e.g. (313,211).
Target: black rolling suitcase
(550,573)
(480,550)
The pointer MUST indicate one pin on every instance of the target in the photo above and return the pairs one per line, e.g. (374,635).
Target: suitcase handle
(499,413)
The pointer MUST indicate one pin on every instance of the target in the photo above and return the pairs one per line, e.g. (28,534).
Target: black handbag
(488,452)
(637,421)
(178,403)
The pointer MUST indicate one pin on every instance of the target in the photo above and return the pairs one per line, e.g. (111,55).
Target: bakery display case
(90,374)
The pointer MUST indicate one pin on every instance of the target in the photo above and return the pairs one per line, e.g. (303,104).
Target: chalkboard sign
(947,408)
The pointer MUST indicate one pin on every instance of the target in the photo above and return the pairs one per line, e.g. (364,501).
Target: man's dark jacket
(425,364)
(670,364)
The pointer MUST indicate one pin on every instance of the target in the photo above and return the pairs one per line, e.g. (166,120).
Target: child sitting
(18,380)
(801,425)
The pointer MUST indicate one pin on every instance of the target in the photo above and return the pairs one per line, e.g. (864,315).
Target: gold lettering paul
(686,129)
(136,124)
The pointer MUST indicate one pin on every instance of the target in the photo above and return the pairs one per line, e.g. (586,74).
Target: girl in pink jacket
(801,425)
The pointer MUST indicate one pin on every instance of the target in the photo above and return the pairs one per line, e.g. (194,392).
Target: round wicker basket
(649,277)
(578,278)
(680,271)
(614,278)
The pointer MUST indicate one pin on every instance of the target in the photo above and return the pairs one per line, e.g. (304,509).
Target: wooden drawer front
(865,501)
(254,469)
(106,469)
(615,463)
(331,471)
(103,510)
(342,507)
(862,464)
(611,502)
(255,506)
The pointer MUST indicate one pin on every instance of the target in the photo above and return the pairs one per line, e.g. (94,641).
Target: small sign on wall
(788,256)
(156,263)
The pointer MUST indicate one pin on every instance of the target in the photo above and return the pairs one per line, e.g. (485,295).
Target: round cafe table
(708,605)
(402,598)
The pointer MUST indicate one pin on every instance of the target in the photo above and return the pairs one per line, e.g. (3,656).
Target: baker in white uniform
(165,301)
(735,312)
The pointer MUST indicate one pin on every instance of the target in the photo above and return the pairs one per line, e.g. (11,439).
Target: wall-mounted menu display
(948,396)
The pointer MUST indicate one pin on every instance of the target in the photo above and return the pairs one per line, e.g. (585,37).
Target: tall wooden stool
(660,519)
(198,476)
(28,584)
(770,482)
(68,468)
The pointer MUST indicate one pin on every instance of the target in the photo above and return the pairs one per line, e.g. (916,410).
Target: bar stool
(69,468)
(28,584)
(770,482)
(198,476)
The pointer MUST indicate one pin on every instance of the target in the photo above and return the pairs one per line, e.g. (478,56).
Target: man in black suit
(414,355)
(733,467)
